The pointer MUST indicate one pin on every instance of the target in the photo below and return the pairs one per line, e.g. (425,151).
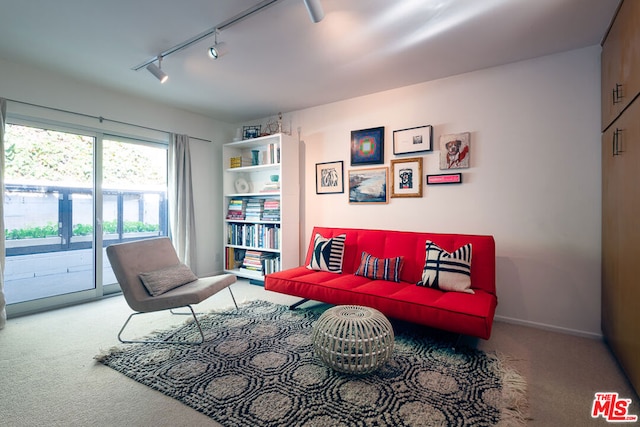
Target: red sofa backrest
(411,245)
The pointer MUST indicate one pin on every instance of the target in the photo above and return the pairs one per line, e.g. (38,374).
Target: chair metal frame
(167,339)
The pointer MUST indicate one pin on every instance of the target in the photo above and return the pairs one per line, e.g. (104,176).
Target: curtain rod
(100,118)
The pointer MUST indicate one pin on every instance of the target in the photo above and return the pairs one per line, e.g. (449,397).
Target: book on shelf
(272,154)
(271,210)
(271,187)
(235,162)
(236,209)
(234,258)
(265,236)
(260,262)
(253,209)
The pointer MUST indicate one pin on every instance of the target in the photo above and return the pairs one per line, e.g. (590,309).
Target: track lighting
(315,10)
(156,70)
(214,51)
(314,7)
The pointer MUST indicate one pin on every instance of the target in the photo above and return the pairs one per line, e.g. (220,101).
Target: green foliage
(47,156)
(51,230)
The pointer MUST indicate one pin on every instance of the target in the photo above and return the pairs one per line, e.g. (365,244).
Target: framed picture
(330,177)
(413,140)
(368,185)
(406,177)
(454,151)
(249,132)
(444,178)
(367,146)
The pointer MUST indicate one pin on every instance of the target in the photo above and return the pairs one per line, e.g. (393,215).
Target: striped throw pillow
(447,271)
(380,268)
(327,253)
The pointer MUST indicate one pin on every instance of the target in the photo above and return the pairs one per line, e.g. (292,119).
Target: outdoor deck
(35,276)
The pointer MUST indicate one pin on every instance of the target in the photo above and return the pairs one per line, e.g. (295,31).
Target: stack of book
(257,262)
(236,210)
(252,262)
(271,210)
(236,162)
(253,209)
(271,187)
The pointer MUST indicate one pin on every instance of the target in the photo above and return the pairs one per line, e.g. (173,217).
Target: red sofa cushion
(469,314)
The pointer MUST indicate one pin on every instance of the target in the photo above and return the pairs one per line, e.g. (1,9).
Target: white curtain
(181,212)
(3,302)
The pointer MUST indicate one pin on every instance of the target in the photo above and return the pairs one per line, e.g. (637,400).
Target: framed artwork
(367,146)
(454,150)
(368,185)
(444,178)
(329,177)
(413,140)
(406,177)
(249,132)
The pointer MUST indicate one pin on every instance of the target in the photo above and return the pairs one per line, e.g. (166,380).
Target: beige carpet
(49,376)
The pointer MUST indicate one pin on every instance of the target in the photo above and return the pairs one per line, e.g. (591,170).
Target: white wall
(31,85)
(534,180)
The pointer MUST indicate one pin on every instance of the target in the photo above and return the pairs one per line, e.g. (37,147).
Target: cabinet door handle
(617,93)
(616,142)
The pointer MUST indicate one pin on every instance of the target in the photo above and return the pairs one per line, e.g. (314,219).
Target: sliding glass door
(134,194)
(48,205)
(68,195)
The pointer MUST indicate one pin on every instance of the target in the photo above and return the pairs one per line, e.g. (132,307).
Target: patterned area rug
(258,368)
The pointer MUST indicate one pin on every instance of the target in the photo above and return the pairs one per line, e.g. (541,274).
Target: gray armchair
(155,260)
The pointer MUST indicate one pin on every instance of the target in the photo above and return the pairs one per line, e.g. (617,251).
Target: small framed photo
(444,178)
(249,132)
(454,151)
(413,140)
(367,146)
(406,177)
(368,185)
(330,177)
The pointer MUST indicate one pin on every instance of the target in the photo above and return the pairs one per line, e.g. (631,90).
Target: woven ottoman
(353,339)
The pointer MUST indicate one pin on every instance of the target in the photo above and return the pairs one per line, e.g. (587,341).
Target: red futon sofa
(459,312)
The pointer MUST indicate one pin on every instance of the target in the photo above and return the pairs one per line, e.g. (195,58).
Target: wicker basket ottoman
(353,339)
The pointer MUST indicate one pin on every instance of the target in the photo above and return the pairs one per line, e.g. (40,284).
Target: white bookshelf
(277,239)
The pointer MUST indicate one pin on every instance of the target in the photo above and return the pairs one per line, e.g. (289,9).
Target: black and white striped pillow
(327,253)
(447,271)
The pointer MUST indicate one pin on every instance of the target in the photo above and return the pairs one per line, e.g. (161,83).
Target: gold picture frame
(406,177)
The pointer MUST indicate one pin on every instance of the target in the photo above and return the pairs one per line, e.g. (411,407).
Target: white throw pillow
(447,271)
(327,253)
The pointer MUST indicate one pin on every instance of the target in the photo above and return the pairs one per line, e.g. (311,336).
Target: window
(60,183)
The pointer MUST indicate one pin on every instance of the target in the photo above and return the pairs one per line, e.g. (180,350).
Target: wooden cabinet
(261,205)
(621,62)
(621,215)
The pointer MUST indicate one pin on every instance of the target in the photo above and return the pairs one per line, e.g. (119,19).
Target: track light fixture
(314,7)
(156,70)
(214,51)
(316,13)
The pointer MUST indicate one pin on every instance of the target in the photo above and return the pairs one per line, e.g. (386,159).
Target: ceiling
(277,60)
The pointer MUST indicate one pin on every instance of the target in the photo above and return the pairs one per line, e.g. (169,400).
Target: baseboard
(547,327)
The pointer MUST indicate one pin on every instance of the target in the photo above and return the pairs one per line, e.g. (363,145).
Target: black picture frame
(250,132)
(367,146)
(330,177)
(417,139)
(444,179)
